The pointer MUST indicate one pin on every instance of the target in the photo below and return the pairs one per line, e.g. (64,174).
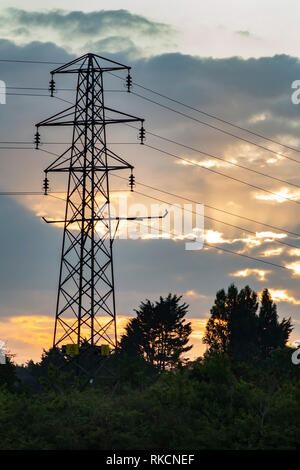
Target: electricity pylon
(86,309)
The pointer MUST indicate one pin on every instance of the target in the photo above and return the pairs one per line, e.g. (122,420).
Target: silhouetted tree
(232,327)
(272,333)
(159,333)
(217,332)
(243,324)
(235,327)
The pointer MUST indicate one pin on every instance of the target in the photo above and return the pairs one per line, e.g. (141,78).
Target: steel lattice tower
(86,309)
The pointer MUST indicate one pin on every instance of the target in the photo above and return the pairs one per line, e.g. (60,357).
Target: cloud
(107,30)
(258,118)
(212,236)
(87,23)
(283,195)
(271,235)
(251,241)
(115,45)
(282,295)
(260,274)
(194,295)
(209,163)
(295,267)
(271,252)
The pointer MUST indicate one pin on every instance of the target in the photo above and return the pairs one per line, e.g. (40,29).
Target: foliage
(236,328)
(159,333)
(243,395)
(271,333)
(207,404)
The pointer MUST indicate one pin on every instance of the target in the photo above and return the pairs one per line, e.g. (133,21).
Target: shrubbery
(207,404)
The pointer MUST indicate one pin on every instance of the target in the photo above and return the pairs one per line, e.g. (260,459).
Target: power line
(27,193)
(215,171)
(214,127)
(45,89)
(215,220)
(37,88)
(25,94)
(182,104)
(273,227)
(213,116)
(220,119)
(53,143)
(206,205)
(237,165)
(182,144)
(206,244)
(249,184)
(253,258)
(185,105)
(47,96)
(31,61)
(39,193)
(213,156)
(218,158)
(221,174)
(218,172)
(188,161)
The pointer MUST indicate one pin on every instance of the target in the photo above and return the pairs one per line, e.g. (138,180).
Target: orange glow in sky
(27,336)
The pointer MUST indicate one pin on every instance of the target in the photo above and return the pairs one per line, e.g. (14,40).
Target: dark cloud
(74,23)
(114,45)
(26,244)
(265,77)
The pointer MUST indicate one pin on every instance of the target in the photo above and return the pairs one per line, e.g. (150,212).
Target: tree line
(242,394)
(237,326)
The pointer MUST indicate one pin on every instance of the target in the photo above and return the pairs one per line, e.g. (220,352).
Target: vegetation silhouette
(159,333)
(237,328)
(243,394)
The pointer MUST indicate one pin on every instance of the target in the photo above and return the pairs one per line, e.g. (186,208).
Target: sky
(235,60)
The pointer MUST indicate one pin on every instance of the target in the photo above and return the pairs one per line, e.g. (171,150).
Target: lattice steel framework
(86,309)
